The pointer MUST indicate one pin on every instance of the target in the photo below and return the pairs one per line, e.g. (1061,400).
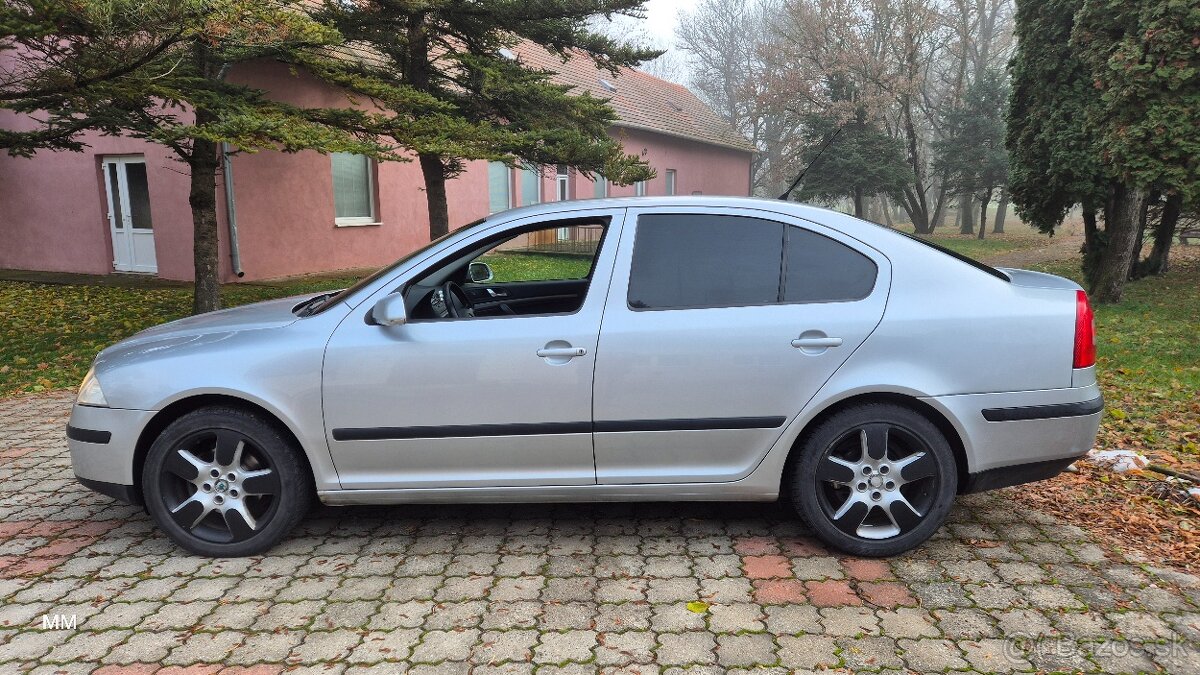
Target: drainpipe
(235,252)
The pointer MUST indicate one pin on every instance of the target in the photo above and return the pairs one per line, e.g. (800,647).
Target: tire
(896,505)
(262,490)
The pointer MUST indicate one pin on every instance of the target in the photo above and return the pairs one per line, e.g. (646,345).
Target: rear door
(721,324)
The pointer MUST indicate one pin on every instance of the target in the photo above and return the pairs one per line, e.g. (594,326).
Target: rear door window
(699,260)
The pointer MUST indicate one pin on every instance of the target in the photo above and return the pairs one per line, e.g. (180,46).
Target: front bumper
(103,442)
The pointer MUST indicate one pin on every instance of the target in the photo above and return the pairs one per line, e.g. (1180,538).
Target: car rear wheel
(874,480)
(225,483)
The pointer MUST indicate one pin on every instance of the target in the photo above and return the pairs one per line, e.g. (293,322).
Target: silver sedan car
(679,348)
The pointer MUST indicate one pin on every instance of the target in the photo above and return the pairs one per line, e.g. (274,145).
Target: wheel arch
(176,409)
(935,416)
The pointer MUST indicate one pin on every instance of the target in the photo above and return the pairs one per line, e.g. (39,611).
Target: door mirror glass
(389,311)
(479,273)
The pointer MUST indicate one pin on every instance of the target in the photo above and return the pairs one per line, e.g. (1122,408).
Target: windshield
(367,281)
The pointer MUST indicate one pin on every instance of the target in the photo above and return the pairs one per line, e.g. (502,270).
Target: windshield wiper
(310,306)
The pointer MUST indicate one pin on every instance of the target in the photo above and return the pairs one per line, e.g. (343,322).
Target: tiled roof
(641,101)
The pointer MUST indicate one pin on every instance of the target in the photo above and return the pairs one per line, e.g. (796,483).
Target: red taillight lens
(1085,332)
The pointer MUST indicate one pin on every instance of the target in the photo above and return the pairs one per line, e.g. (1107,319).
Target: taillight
(1085,332)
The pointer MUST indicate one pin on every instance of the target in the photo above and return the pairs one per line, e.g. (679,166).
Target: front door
(129,214)
(498,397)
(720,326)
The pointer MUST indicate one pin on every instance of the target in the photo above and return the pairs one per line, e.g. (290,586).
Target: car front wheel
(223,482)
(874,479)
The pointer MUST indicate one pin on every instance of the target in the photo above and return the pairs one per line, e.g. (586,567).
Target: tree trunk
(966,217)
(1143,216)
(886,209)
(1001,213)
(435,195)
(859,206)
(983,204)
(1121,233)
(1093,245)
(1164,235)
(203,200)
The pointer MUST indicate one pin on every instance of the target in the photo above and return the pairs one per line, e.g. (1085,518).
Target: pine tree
(972,155)
(179,95)
(493,107)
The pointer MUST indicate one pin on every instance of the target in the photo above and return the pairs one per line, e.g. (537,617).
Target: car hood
(203,327)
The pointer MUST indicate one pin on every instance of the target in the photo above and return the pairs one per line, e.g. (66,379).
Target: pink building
(122,205)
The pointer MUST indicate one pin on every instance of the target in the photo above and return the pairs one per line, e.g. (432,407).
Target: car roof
(829,217)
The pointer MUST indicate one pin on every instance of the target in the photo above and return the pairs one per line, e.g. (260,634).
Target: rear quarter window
(819,269)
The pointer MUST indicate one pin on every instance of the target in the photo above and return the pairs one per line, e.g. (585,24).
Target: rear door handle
(561,352)
(817,342)
(496,294)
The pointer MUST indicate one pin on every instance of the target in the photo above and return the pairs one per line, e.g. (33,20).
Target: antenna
(787,193)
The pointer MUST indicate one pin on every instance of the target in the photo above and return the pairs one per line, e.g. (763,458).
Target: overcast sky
(661,18)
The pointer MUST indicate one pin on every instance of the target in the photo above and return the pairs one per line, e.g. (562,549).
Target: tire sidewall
(803,486)
(294,483)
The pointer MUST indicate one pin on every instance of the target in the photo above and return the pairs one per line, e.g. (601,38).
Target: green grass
(1016,238)
(513,266)
(49,333)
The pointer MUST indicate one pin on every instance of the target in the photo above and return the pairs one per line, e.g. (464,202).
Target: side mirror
(479,272)
(389,311)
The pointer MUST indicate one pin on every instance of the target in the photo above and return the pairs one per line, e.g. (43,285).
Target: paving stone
(849,621)
(574,645)
(929,655)
(685,648)
(869,653)
(808,652)
(745,650)
(562,589)
(992,655)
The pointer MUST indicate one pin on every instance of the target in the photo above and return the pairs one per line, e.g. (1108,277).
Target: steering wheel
(458,303)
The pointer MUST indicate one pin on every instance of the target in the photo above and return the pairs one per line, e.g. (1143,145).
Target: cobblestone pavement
(488,589)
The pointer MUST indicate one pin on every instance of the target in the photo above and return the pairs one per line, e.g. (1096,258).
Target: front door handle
(561,352)
(816,342)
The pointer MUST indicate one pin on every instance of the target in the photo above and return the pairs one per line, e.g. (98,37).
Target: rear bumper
(1018,437)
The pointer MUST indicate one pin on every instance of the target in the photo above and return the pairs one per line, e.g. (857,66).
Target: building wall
(53,208)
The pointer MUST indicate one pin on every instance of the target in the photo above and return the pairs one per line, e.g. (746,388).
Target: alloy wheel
(877,481)
(220,487)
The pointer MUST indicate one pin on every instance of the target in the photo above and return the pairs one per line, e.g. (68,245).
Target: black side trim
(692,424)
(88,435)
(476,430)
(125,493)
(461,431)
(1007,476)
(1043,412)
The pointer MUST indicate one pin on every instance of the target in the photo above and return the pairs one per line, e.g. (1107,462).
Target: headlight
(89,391)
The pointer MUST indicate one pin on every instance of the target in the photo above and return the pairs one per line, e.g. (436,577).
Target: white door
(129,214)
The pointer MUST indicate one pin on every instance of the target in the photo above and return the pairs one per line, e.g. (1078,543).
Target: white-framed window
(353,189)
(600,187)
(639,188)
(562,182)
(670,181)
(499,187)
(531,185)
